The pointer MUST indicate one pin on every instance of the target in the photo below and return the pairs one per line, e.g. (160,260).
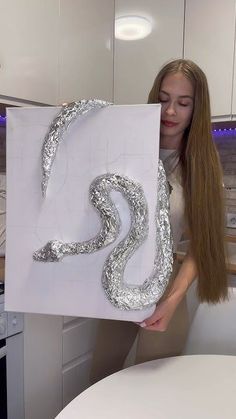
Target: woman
(196,200)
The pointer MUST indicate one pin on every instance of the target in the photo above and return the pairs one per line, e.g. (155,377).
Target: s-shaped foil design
(121,295)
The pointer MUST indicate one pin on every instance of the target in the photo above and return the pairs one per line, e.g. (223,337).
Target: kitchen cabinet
(234,89)
(57,51)
(234,92)
(79,336)
(86,50)
(29,50)
(209,41)
(57,360)
(137,62)
(64,50)
(42,366)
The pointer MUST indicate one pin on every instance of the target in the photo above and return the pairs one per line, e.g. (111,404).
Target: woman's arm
(164,311)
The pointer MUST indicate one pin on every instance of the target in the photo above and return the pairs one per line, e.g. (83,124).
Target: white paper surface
(120,139)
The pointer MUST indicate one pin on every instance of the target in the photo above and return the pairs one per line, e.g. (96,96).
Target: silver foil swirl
(121,295)
(100,188)
(68,114)
(132,297)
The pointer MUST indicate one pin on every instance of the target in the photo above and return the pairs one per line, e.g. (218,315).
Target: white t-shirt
(177,218)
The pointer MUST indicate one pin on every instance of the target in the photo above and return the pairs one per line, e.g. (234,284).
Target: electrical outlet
(231,220)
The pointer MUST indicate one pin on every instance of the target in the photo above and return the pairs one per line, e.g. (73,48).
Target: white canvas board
(119,139)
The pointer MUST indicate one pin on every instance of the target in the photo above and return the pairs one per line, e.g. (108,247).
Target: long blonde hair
(203,185)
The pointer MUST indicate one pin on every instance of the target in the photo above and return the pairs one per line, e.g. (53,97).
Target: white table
(185,387)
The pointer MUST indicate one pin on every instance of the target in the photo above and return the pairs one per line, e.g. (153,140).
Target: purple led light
(225,129)
(224,132)
(2,120)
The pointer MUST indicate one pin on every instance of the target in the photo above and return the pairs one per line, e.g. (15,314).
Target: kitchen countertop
(231,250)
(230,235)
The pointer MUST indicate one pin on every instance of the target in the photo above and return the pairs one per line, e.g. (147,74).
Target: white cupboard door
(209,41)
(234,91)
(86,50)
(42,366)
(234,88)
(78,338)
(75,378)
(136,62)
(29,50)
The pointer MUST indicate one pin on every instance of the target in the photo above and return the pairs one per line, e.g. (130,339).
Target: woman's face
(176,97)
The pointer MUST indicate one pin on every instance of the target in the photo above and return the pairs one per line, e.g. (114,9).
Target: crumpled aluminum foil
(60,124)
(121,295)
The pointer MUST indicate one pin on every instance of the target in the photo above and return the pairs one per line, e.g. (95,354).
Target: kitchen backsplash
(225,140)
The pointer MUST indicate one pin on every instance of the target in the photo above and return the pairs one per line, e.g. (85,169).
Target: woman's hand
(162,315)
(164,311)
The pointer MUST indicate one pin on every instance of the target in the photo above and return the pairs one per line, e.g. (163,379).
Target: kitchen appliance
(11,363)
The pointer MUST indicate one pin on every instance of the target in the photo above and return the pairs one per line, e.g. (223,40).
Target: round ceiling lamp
(132,28)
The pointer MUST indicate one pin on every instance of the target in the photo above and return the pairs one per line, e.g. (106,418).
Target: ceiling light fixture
(132,28)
